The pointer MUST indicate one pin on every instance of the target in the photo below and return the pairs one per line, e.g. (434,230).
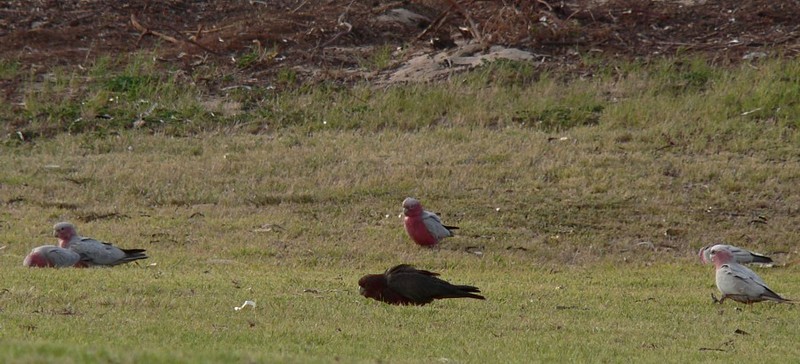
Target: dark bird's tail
(131,255)
(469,292)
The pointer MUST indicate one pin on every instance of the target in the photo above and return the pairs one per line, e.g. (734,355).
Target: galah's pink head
(411,206)
(36,259)
(704,254)
(64,231)
(720,256)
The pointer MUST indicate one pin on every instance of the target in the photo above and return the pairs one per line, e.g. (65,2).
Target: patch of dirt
(345,40)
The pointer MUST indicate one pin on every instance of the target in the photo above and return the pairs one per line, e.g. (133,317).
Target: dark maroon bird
(406,285)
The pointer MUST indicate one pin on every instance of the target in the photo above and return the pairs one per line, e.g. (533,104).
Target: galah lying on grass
(424,227)
(53,256)
(741,256)
(92,251)
(405,285)
(738,282)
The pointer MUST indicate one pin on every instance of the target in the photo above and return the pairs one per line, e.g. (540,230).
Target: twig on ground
(473,27)
(436,22)
(549,8)
(340,21)
(299,6)
(144,31)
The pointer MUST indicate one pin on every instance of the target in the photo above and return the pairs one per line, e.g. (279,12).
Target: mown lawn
(582,204)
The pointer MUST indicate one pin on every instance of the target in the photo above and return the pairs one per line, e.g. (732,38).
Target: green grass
(182,310)
(561,183)
(665,97)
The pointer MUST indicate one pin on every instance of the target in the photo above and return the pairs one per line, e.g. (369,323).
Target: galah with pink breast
(424,227)
(53,256)
(94,252)
(742,256)
(738,282)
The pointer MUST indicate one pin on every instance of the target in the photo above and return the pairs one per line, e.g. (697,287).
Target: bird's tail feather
(133,251)
(772,296)
(131,255)
(761,259)
(466,288)
(469,291)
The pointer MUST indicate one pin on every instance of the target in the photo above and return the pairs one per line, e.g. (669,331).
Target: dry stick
(473,27)
(383,8)
(187,39)
(436,23)
(340,21)
(549,8)
(298,7)
(199,32)
(214,30)
(573,14)
(144,31)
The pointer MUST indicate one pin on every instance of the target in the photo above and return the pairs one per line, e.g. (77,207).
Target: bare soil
(340,39)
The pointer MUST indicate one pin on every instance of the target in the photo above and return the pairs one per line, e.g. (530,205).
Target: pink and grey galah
(738,282)
(424,227)
(94,252)
(53,256)
(742,256)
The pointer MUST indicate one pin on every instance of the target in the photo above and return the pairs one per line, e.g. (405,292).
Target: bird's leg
(714,299)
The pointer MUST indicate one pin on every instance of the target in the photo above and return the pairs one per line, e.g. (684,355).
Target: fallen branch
(436,23)
(299,6)
(201,31)
(144,31)
(473,27)
(340,21)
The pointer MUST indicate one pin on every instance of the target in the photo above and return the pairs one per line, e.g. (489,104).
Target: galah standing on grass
(741,256)
(53,256)
(406,285)
(424,227)
(738,282)
(94,252)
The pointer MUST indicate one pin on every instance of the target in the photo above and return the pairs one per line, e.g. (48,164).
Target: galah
(53,256)
(738,282)
(94,252)
(424,227)
(742,256)
(406,285)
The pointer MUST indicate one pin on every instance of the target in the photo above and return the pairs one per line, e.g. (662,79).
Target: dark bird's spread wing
(406,268)
(422,287)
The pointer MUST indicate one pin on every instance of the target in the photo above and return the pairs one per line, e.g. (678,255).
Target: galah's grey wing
(61,257)
(434,225)
(98,252)
(742,256)
(733,283)
(745,273)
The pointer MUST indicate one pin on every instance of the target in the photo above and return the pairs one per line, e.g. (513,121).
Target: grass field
(581,202)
